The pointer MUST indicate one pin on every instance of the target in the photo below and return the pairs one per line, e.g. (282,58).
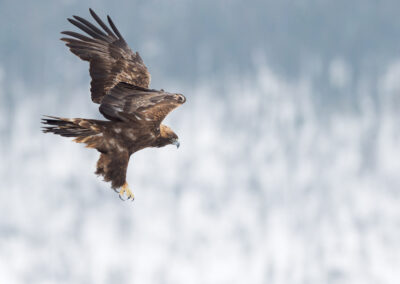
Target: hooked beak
(176,143)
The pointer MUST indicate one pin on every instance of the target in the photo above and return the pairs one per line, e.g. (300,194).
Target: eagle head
(167,136)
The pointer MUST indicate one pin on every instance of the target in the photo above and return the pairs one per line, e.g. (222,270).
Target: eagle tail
(86,131)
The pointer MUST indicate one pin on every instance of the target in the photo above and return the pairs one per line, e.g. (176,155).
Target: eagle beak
(176,143)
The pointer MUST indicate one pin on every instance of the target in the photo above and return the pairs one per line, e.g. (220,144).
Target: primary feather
(111,59)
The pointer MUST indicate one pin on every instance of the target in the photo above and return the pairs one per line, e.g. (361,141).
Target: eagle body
(120,84)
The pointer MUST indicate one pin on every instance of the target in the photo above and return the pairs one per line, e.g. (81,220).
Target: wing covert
(127,102)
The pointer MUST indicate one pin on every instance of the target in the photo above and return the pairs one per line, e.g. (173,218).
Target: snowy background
(289,166)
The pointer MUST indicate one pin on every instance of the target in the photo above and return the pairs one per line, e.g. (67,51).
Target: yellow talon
(125,190)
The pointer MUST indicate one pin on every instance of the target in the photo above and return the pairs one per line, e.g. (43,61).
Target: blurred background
(288,170)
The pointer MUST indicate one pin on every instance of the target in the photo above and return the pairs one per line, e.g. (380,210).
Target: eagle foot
(125,190)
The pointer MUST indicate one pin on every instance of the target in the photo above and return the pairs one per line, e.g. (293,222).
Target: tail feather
(85,130)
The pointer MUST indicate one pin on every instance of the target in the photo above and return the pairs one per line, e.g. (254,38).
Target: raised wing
(126,102)
(111,59)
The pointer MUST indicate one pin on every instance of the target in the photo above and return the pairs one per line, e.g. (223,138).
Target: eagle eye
(181,98)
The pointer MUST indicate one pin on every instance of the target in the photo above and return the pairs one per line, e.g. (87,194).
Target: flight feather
(111,60)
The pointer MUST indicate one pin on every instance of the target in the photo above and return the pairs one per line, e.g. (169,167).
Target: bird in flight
(120,84)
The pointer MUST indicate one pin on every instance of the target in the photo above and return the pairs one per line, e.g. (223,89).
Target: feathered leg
(113,166)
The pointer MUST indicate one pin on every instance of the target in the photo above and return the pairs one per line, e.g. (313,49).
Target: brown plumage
(120,84)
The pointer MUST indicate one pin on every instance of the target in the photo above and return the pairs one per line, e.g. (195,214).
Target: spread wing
(111,59)
(126,102)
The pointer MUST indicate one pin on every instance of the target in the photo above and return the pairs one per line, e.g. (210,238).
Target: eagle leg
(125,190)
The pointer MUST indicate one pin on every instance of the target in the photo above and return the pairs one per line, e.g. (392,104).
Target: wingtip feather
(114,28)
(101,23)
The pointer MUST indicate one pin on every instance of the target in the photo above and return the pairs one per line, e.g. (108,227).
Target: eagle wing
(111,60)
(126,102)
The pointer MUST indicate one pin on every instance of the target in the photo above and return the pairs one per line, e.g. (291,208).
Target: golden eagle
(120,84)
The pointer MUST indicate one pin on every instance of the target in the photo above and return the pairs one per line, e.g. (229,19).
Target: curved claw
(125,190)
